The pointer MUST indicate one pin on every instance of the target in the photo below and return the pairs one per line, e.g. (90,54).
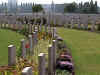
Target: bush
(89,28)
(98,27)
(32,21)
(19,52)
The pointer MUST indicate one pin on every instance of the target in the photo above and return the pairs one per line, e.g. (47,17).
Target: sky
(49,1)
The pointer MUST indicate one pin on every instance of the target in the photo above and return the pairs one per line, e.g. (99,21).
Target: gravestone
(41,24)
(42,67)
(54,32)
(85,22)
(30,44)
(34,38)
(93,26)
(54,45)
(79,23)
(11,55)
(50,61)
(23,48)
(27,71)
(30,28)
(72,22)
(45,28)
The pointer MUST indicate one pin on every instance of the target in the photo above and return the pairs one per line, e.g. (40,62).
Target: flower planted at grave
(64,62)
(27,46)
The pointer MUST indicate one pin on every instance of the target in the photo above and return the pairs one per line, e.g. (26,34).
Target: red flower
(27,45)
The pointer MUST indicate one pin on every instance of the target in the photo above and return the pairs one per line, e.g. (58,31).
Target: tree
(72,7)
(87,7)
(37,8)
(90,7)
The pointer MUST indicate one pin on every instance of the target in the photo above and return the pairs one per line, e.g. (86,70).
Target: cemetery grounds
(84,47)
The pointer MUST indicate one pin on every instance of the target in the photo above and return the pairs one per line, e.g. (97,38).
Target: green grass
(85,49)
(8,37)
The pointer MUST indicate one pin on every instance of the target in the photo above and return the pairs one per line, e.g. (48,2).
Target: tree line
(87,7)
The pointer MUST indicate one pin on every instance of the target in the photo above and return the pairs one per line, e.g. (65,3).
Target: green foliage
(24,31)
(86,7)
(62,72)
(20,20)
(98,27)
(19,52)
(37,8)
(72,7)
(32,21)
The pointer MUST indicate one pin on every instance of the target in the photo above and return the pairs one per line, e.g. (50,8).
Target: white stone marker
(40,27)
(85,20)
(30,44)
(93,25)
(79,23)
(34,38)
(41,60)
(50,61)
(54,45)
(41,24)
(30,28)
(23,48)
(86,25)
(45,27)
(27,71)
(72,22)
(54,32)
(11,55)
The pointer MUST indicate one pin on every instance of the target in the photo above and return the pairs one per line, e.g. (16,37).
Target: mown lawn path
(8,37)
(85,49)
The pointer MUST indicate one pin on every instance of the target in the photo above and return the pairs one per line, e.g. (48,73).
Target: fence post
(41,58)
(11,55)
(50,61)
(27,71)
(23,48)
(30,44)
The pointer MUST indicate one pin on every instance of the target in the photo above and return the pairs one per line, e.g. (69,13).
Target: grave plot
(35,56)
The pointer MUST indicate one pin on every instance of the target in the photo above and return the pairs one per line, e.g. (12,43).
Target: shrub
(32,21)
(19,52)
(98,27)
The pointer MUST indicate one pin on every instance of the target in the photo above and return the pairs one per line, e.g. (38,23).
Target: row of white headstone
(82,22)
(85,24)
(32,42)
(41,58)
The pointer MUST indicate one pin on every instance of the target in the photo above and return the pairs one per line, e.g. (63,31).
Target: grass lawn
(85,48)
(8,37)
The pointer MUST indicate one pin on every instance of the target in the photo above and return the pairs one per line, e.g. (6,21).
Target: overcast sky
(49,1)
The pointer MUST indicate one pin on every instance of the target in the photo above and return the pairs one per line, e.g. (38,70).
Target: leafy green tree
(37,8)
(72,7)
(87,7)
